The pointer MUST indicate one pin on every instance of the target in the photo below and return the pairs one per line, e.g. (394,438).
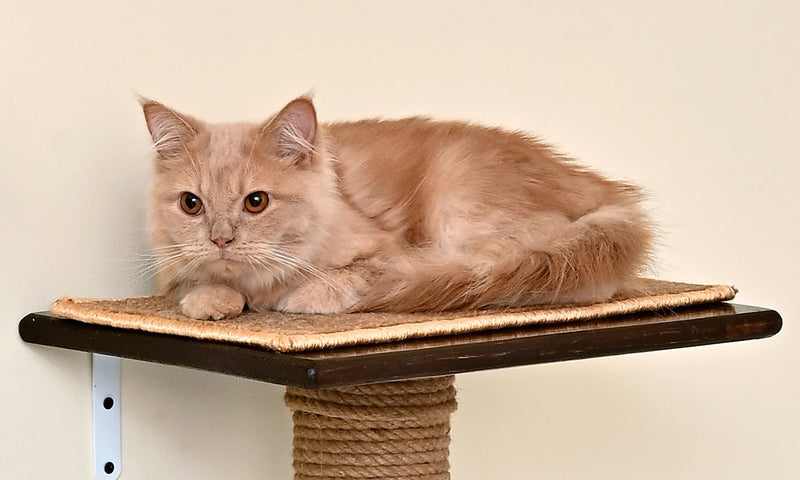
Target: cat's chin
(224,267)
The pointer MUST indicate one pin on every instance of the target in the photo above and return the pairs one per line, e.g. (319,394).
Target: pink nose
(222,242)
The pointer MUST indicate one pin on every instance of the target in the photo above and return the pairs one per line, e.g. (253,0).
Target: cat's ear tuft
(293,131)
(170,130)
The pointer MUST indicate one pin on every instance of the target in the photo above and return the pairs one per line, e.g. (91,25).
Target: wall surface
(696,101)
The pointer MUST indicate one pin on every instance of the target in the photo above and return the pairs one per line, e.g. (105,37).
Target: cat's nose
(222,242)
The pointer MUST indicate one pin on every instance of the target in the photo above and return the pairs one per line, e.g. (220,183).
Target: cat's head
(237,202)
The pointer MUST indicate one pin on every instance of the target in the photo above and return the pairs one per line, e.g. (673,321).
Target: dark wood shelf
(685,327)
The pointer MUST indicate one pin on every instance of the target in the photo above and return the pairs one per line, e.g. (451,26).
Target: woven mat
(295,332)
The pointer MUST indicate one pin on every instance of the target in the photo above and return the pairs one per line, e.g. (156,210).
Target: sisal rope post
(396,430)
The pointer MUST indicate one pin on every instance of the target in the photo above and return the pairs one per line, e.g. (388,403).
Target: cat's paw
(212,302)
(319,297)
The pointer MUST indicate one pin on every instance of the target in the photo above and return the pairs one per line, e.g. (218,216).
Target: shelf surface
(649,331)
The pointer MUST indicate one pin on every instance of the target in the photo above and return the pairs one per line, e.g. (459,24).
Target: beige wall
(698,104)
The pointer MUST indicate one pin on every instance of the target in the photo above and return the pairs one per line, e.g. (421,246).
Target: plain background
(697,102)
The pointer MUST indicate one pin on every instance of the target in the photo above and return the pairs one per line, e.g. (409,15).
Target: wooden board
(684,327)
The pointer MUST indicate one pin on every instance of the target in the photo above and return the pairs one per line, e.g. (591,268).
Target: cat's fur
(403,215)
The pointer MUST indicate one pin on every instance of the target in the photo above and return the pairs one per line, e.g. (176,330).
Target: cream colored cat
(403,215)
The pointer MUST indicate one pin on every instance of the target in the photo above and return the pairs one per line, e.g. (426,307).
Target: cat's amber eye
(256,202)
(191,203)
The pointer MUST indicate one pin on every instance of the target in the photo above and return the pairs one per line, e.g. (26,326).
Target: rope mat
(398,430)
(297,332)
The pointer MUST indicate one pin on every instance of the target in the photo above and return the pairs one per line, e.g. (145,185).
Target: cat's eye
(191,203)
(256,202)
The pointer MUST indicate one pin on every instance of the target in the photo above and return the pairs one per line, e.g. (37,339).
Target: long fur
(587,262)
(403,215)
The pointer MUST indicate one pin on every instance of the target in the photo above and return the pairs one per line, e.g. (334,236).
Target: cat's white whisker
(164,257)
(152,270)
(172,246)
(317,273)
(186,269)
(296,264)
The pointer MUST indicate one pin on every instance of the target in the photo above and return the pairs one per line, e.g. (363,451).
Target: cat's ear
(292,133)
(170,130)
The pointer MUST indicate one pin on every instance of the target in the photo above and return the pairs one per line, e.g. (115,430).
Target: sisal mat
(298,332)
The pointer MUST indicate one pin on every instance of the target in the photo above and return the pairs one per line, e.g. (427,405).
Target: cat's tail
(587,261)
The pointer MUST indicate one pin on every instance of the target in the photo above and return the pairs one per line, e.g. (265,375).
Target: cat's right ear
(170,130)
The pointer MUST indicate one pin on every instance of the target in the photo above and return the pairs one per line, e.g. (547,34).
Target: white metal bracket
(106,416)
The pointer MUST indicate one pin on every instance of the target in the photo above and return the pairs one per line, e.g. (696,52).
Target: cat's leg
(210,302)
(335,291)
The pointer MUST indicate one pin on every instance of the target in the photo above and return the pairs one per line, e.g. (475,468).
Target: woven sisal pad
(398,430)
(295,332)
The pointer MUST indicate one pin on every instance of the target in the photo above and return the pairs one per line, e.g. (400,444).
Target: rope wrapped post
(396,430)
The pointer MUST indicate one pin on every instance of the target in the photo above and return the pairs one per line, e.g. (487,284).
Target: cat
(390,215)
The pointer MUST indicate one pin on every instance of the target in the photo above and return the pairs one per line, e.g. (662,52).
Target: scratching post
(396,430)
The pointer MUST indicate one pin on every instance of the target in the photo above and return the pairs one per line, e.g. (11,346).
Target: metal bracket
(106,417)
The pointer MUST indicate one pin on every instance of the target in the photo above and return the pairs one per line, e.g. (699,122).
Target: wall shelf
(677,328)
(382,364)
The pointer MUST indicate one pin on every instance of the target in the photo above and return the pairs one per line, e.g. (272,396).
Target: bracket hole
(108,403)
(109,467)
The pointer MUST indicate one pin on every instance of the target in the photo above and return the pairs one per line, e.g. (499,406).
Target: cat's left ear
(292,133)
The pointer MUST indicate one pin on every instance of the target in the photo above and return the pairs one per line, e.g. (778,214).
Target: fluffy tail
(588,261)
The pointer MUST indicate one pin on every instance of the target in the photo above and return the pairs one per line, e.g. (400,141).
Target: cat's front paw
(212,302)
(323,298)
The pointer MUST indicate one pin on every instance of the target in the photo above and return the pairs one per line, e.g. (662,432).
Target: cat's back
(395,171)
(410,173)
(406,154)
(419,146)
(418,138)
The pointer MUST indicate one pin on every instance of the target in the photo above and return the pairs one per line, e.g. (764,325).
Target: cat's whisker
(298,260)
(294,263)
(303,266)
(142,271)
(277,274)
(152,260)
(152,270)
(186,269)
(166,254)
(293,267)
(165,257)
(172,246)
